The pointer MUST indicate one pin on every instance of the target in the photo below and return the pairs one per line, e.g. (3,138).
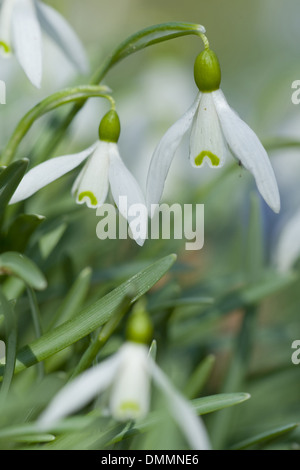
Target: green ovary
(5,47)
(90,195)
(206,153)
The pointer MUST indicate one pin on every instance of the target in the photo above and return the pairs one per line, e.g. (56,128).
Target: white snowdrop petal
(47,172)
(127,194)
(130,395)
(54,24)
(27,39)
(207,143)
(287,251)
(247,148)
(91,186)
(164,154)
(6,11)
(79,392)
(191,425)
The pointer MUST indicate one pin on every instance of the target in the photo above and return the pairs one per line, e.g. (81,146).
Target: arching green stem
(77,94)
(138,41)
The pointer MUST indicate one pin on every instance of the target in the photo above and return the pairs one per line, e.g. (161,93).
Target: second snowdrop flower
(104,168)
(21,22)
(127,375)
(214,127)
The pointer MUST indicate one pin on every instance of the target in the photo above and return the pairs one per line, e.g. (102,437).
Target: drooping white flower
(127,374)
(21,22)
(104,168)
(214,127)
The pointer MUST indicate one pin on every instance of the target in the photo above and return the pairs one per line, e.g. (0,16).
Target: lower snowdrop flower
(127,375)
(214,127)
(20,31)
(103,168)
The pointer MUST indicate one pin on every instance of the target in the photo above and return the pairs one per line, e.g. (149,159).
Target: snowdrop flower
(103,168)
(214,127)
(127,374)
(20,32)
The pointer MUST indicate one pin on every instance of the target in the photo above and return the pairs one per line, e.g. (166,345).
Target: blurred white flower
(287,249)
(20,32)
(127,374)
(214,127)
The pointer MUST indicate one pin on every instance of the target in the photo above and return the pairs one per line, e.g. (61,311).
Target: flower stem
(78,94)
(138,41)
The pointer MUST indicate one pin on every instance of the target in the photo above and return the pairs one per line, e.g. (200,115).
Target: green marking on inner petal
(90,195)
(5,47)
(206,153)
(130,406)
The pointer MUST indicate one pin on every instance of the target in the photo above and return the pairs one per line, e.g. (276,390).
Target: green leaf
(20,231)
(15,264)
(10,344)
(199,377)
(218,402)
(74,299)
(91,317)
(265,437)
(48,241)
(10,178)
(25,433)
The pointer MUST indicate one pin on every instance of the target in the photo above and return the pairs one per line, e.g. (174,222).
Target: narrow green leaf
(10,324)
(35,438)
(48,242)
(104,335)
(25,433)
(73,300)
(218,402)
(91,317)
(10,178)
(20,231)
(265,437)
(199,377)
(15,264)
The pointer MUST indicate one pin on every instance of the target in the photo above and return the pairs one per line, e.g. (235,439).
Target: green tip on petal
(207,71)
(90,195)
(130,406)
(110,127)
(139,326)
(5,47)
(206,153)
